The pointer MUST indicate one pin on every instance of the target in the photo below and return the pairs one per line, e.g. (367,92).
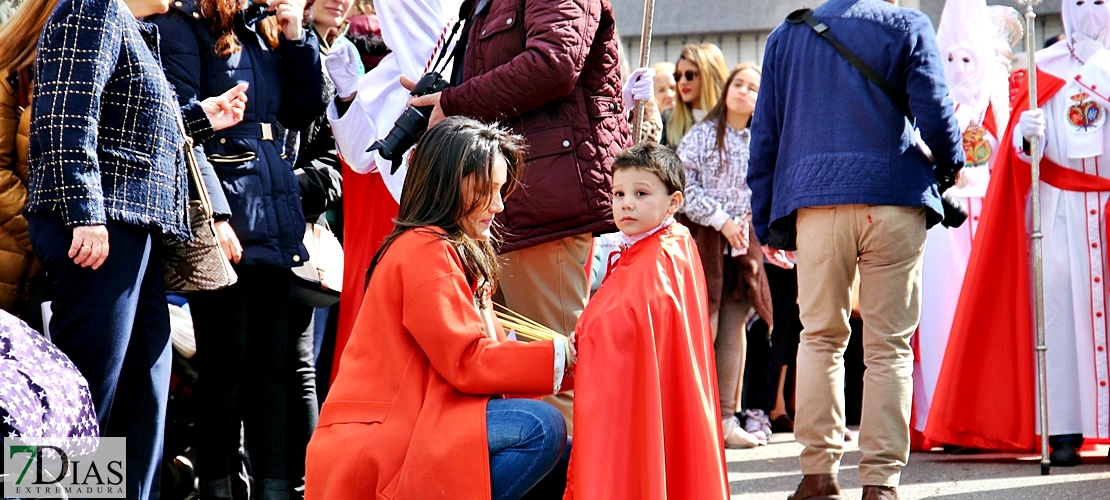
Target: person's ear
(676,202)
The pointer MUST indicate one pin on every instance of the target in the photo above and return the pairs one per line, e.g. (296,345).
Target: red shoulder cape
(647,421)
(368,212)
(985,395)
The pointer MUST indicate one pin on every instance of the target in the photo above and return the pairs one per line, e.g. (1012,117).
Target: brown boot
(817,487)
(880,493)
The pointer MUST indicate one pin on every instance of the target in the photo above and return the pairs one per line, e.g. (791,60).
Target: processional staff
(1038,273)
(645,52)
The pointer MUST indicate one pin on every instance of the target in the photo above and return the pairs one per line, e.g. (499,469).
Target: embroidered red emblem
(1084,113)
(976,147)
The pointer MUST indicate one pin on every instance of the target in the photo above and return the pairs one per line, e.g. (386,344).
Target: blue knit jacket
(822,134)
(104,139)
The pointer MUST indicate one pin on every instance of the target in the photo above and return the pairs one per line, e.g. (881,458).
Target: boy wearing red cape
(985,396)
(647,423)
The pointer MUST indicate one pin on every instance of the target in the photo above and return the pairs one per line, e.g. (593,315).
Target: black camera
(255,13)
(412,123)
(955,213)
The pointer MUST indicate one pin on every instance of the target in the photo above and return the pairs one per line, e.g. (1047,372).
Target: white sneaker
(735,435)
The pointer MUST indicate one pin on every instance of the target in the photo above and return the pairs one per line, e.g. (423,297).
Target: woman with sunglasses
(700,74)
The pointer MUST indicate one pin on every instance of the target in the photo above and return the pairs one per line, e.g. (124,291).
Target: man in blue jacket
(835,164)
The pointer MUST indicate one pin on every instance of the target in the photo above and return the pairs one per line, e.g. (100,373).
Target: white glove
(1084,46)
(343,68)
(639,87)
(1031,124)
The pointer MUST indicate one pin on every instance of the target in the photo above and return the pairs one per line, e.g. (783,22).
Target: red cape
(368,213)
(918,441)
(985,395)
(647,420)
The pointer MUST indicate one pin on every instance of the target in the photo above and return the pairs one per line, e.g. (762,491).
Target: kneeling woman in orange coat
(416,409)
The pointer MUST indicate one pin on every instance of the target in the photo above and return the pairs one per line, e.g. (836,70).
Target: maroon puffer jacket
(548,70)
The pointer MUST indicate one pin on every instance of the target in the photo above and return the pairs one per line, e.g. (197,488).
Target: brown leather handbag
(197,264)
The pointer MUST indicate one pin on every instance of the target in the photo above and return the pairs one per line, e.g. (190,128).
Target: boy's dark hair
(657,159)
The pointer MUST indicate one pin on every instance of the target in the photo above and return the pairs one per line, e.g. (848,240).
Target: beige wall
(737,47)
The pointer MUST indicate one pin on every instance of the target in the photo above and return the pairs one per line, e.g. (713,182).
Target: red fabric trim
(989,123)
(1090,88)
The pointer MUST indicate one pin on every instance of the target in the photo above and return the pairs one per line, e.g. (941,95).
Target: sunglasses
(689,74)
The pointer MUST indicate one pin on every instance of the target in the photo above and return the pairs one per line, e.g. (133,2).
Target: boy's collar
(627,241)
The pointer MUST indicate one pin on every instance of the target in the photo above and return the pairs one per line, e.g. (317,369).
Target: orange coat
(18,265)
(406,416)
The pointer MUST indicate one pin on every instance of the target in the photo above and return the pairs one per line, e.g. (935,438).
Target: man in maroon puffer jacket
(548,70)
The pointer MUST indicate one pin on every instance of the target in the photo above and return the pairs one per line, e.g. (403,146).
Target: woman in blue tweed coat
(242,331)
(106,167)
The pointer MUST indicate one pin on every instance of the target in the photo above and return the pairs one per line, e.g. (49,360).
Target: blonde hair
(19,37)
(664,67)
(711,66)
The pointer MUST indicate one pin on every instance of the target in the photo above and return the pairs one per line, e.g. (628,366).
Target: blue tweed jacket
(104,140)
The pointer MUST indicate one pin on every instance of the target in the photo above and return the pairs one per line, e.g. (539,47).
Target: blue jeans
(527,439)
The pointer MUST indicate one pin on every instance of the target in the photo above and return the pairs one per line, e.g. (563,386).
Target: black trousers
(300,391)
(766,356)
(242,338)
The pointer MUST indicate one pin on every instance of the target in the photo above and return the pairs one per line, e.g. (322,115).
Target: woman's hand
(290,16)
(734,233)
(226,110)
(89,247)
(229,242)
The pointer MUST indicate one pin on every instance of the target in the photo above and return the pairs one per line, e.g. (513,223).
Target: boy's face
(641,201)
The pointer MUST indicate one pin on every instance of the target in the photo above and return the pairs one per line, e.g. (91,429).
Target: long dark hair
(720,110)
(452,150)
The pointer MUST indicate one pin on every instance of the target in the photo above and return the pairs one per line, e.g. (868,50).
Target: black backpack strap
(822,29)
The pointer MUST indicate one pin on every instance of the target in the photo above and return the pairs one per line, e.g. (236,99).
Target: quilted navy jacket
(823,134)
(285,92)
(548,70)
(104,139)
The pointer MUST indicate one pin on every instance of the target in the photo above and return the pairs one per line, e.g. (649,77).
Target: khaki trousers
(887,243)
(548,283)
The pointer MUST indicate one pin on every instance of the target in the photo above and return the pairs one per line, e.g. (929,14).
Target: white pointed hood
(967,52)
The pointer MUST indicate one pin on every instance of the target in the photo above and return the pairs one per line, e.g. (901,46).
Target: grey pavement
(772,472)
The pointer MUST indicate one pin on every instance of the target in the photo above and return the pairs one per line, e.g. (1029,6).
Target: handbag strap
(822,30)
(193,167)
(316,260)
